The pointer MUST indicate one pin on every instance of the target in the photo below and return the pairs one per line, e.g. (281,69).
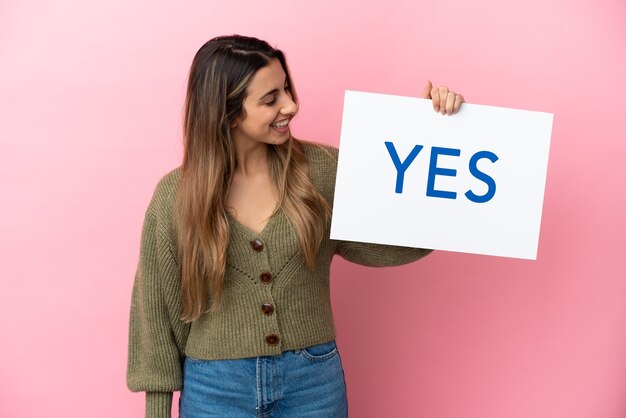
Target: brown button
(257,244)
(267,308)
(271,339)
(266,277)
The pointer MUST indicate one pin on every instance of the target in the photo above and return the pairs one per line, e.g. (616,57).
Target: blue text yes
(434,170)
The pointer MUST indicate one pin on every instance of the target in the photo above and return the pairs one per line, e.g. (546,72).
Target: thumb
(427,89)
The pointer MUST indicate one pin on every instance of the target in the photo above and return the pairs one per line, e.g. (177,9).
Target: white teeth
(281,124)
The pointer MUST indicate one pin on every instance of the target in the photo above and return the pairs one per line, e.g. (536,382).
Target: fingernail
(436,108)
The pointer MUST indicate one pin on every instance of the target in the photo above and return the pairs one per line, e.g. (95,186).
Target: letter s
(491,184)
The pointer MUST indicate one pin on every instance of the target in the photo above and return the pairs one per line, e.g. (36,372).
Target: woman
(231,301)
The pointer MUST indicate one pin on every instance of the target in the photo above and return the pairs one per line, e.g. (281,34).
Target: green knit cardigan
(264,268)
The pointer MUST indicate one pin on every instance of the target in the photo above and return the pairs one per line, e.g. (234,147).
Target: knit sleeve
(378,255)
(157,336)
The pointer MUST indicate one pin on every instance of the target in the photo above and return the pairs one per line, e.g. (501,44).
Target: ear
(233,125)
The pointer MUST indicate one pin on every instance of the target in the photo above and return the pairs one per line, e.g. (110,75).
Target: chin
(281,140)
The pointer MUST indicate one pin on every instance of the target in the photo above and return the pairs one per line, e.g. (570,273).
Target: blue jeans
(307,383)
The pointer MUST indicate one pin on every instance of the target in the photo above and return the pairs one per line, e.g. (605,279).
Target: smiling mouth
(280,124)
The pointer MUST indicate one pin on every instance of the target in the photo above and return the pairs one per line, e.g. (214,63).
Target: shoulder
(317,152)
(164,195)
(168,184)
(322,160)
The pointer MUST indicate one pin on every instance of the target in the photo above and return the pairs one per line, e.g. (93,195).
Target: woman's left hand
(444,100)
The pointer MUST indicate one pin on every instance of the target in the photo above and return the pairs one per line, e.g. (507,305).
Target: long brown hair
(219,76)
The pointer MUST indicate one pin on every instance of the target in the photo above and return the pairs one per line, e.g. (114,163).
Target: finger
(443,97)
(435,95)
(427,89)
(457,102)
(450,103)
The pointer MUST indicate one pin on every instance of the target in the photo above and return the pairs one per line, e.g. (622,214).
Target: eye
(287,90)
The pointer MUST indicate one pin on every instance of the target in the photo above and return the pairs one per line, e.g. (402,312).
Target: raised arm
(445,101)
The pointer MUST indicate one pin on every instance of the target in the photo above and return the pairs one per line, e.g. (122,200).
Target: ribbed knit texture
(159,340)
(158,404)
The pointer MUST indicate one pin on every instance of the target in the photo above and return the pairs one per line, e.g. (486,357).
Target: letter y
(401,166)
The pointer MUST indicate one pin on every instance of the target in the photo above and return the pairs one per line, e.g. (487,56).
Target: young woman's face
(268,108)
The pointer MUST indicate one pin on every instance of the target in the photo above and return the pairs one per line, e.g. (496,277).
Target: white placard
(472,182)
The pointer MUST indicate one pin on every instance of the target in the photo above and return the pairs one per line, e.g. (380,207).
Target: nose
(289,107)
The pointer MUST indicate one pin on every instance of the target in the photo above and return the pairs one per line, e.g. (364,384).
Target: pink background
(90,105)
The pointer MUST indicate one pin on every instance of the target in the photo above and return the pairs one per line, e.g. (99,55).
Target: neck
(251,158)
